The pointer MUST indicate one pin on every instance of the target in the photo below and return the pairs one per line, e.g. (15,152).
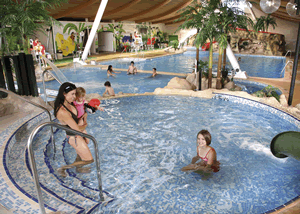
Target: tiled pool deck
(17,192)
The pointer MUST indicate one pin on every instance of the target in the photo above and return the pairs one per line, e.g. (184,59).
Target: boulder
(283,100)
(230,85)
(88,97)
(192,79)
(179,83)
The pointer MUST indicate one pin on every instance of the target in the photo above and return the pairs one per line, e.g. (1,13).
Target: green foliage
(263,23)
(203,66)
(22,19)
(174,44)
(268,91)
(72,27)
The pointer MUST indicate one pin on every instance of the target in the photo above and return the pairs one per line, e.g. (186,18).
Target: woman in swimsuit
(66,113)
(206,153)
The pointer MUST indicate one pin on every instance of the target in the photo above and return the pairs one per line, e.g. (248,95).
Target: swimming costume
(215,166)
(80,108)
(75,118)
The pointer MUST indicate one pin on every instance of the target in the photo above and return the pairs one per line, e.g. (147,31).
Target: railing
(290,61)
(37,105)
(33,164)
(44,85)
(289,51)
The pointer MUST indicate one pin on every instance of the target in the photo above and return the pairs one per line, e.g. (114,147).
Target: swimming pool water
(145,141)
(93,79)
(255,65)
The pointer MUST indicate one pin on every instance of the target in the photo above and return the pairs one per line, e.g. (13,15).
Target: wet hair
(107,83)
(132,62)
(60,98)
(154,69)
(206,136)
(80,92)
(109,68)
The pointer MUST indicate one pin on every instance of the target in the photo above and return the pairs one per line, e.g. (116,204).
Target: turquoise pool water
(144,141)
(255,65)
(93,79)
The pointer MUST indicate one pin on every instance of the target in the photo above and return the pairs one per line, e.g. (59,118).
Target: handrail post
(39,106)
(33,164)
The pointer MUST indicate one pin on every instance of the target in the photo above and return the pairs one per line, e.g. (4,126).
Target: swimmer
(154,74)
(110,71)
(206,153)
(239,59)
(66,113)
(109,91)
(132,69)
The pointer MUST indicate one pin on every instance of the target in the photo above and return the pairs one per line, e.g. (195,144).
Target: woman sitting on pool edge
(66,113)
(110,71)
(205,152)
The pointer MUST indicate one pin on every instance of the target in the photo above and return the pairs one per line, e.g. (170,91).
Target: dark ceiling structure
(154,11)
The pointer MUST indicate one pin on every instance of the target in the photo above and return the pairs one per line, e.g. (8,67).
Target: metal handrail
(44,85)
(289,51)
(290,61)
(33,164)
(37,105)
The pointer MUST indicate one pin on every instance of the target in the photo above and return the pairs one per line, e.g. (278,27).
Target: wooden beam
(166,20)
(171,23)
(143,12)
(75,9)
(288,18)
(118,9)
(178,7)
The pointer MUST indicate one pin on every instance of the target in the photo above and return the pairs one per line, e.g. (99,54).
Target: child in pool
(109,91)
(110,71)
(80,103)
(154,73)
(132,69)
(205,152)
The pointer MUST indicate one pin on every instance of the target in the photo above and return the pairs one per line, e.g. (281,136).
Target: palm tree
(23,18)
(189,15)
(263,23)
(72,27)
(228,21)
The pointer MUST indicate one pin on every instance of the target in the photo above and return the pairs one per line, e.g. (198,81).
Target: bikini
(215,167)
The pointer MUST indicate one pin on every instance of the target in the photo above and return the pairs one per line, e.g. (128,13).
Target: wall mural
(65,46)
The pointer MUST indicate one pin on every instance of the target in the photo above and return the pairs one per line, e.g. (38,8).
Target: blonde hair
(80,92)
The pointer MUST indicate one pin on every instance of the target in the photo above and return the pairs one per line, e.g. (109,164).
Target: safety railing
(289,51)
(33,163)
(37,105)
(44,85)
(290,61)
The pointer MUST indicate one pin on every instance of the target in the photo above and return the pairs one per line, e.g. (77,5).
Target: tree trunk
(224,59)
(219,84)
(210,64)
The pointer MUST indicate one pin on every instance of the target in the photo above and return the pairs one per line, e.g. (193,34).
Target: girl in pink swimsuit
(206,153)
(79,104)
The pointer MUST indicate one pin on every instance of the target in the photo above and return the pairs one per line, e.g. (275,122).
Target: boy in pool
(109,91)
(132,69)
(205,152)
(154,73)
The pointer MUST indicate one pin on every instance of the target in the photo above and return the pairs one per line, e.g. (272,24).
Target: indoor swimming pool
(254,65)
(144,141)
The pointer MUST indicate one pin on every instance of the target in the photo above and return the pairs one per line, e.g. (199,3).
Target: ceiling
(154,11)
(281,12)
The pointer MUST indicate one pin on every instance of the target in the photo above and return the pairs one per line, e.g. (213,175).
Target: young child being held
(109,91)
(80,103)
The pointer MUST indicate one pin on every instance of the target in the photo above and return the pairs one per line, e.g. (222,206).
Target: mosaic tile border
(273,110)
(236,99)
